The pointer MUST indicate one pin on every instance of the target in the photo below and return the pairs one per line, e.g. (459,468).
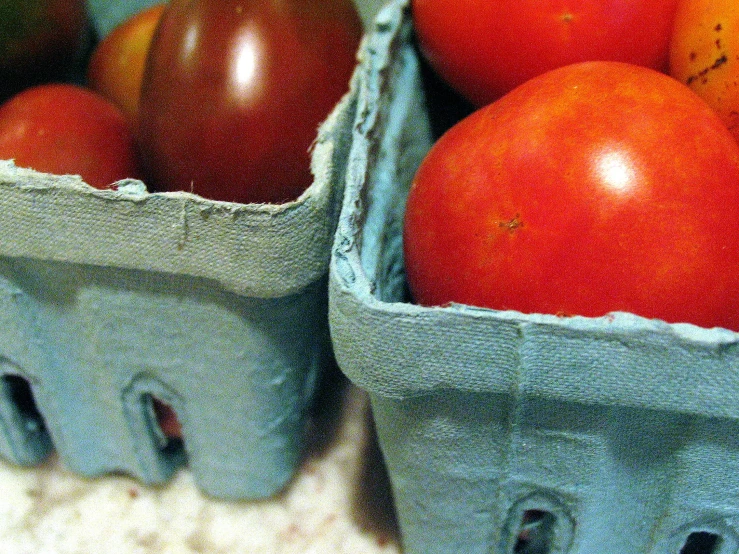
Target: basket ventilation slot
(702,542)
(536,533)
(21,396)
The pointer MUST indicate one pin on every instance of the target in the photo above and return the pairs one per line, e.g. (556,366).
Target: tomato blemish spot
(511,225)
(567,17)
(718,27)
(702,74)
(720,61)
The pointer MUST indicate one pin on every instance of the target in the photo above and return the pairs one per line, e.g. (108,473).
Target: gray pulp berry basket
(509,433)
(112,298)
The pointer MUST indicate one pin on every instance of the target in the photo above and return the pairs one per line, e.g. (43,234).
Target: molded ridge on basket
(507,433)
(110,299)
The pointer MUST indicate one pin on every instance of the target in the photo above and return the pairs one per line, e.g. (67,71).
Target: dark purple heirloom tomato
(234,91)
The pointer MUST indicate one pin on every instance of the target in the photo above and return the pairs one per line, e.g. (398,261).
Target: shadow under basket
(507,433)
(113,300)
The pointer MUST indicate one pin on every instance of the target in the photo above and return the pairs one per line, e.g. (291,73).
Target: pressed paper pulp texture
(240,371)
(62,219)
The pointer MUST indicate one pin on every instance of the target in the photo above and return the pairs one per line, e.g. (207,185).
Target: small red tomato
(116,67)
(234,92)
(40,40)
(704,54)
(485,48)
(593,188)
(66,129)
(167,419)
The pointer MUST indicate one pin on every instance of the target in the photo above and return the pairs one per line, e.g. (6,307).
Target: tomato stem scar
(511,225)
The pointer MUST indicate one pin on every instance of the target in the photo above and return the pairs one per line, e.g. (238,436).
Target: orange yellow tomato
(704,54)
(116,67)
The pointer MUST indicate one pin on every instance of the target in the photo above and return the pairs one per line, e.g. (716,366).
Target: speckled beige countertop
(338,503)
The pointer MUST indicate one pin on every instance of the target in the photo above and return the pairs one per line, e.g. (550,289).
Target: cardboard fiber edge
(400,350)
(270,250)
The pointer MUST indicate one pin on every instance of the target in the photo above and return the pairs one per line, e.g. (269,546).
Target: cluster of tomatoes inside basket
(222,98)
(597,170)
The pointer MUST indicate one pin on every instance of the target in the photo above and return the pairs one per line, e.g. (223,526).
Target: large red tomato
(234,92)
(593,188)
(484,48)
(116,67)
(704,54)
(65,129)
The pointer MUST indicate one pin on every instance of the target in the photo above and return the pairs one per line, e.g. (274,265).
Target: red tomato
(704,54)
(234,92)
(40,40)
(485,48)
(65,129)
(593,188)
(116,67)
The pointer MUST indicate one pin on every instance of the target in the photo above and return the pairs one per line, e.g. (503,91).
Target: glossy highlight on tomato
(234,93)
(593,188)
(485,48)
